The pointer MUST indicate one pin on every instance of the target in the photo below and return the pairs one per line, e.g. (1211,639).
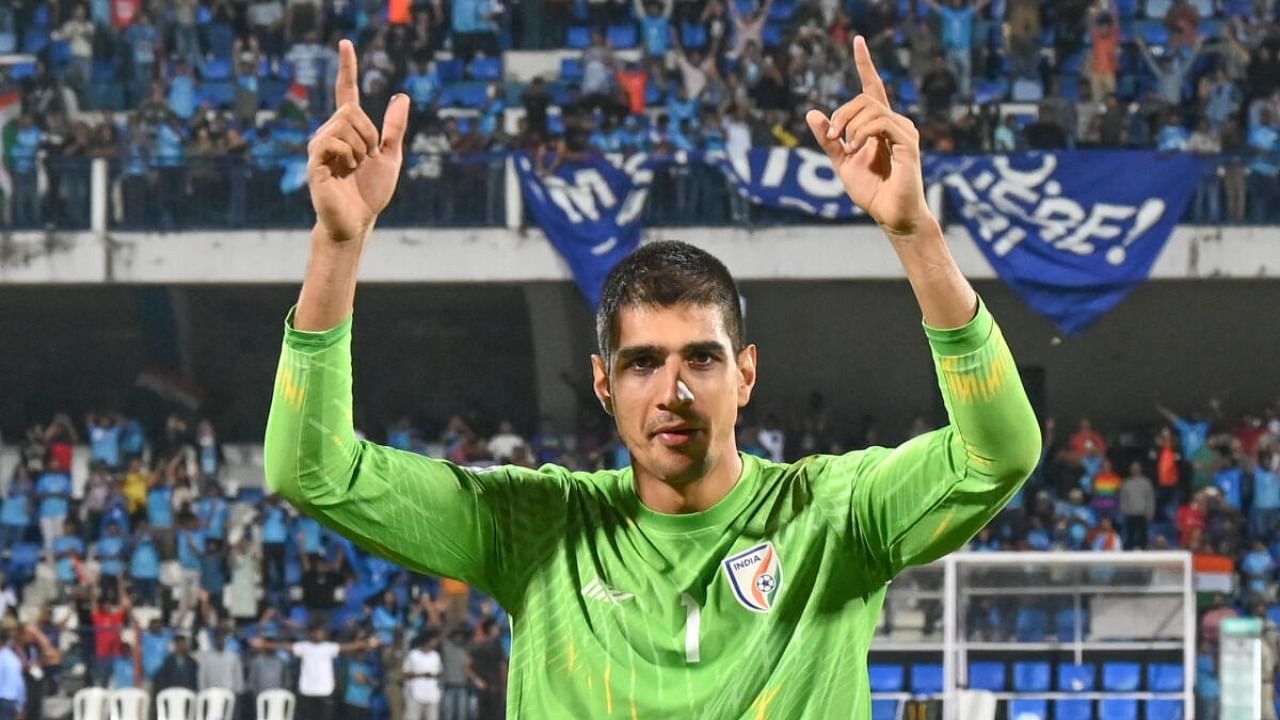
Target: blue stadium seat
(1127,8)
(622,37)
(1165,677)
(555,124)
(1157,9)
(217,94)
(579,38)
(1076,678)
(1118,709)
(449,71)
(469,94)
(1072,710)
(1232,8)
(22,71)
(987,676)
(1028,709)
(486,68)
(1030,677)
(571,69)
(886,678)
(216,69)
(926,679)
(884,710)
(693,36)
(1031,624)
(652,95)
(1121,676)
(1164,710)
(464,124)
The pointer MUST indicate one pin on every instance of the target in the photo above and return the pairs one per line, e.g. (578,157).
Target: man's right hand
(351,173)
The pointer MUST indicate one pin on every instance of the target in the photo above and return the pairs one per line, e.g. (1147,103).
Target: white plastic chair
(90,704)
(175,704)
(275,705)
(129,704)
(215,704)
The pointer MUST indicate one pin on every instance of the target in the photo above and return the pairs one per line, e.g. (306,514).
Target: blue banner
(590,211)
(1072,233)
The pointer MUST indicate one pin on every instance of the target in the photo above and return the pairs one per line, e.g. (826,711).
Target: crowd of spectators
(200,103)
(153,572)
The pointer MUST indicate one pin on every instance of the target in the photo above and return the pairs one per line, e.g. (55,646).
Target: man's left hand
(876,152)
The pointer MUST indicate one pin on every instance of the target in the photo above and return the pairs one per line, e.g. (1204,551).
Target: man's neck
(692,496)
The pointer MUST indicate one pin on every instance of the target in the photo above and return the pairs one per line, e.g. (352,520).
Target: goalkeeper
(699,582)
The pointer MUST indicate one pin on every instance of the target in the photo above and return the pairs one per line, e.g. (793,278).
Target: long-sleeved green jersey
(762,606)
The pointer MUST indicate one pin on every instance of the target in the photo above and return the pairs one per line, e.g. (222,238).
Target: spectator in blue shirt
(191,547)
(155,647)
(23,158)
(68,551)
(13,689)
(655,29)
(1264,167)
(957,38)
(362,681)
(104,439)
(54,491)
(144,566)
(275,535)
(126,668)
(422,83)
(212,510)
(109,551)
(1265,511)
(143,40)
(15,512)
(474,28)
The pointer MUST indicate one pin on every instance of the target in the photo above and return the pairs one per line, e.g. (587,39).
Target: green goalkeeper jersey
(762,606)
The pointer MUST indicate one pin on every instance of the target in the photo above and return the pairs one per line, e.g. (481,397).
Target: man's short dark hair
(664,274)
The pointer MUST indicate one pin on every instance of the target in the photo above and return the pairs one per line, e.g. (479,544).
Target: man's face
(674,388)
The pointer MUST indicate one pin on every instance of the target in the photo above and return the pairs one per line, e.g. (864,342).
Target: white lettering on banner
(775,167)
(995,201)
(578,201)
(816,176)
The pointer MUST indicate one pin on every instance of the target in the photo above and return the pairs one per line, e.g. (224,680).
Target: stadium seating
(90,703)
(1118,708)
(886,678)
(1076,678)
(1031,677)
(926,679)
(1072,709)
(1165,677)
(215,704)
(1028,709)
(987,676)
(884,710)
(1164,709)
(275,705)
(1121,676)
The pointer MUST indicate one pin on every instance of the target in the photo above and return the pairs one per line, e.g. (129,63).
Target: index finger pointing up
(346,90)
(871,83)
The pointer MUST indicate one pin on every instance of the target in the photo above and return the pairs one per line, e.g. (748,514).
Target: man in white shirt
(503,446)
(316,680)
(422,678)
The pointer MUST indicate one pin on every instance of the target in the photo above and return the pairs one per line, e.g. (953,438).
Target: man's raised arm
(928,497)
(428,515)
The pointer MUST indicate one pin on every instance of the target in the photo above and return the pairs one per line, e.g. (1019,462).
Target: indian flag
(10,108)
(296,102)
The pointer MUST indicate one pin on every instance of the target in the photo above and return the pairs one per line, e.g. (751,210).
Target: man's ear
(746,374)
(600,383)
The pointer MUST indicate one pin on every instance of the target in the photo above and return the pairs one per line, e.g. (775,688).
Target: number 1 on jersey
(692,628)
